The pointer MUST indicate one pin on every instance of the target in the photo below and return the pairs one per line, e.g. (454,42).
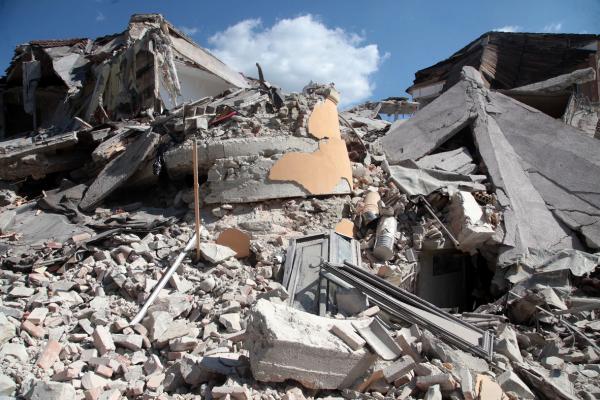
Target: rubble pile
(337,255)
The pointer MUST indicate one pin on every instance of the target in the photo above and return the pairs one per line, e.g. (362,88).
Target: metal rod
(162,282)
(396,306)
(568,325)
(587,307)
(349,125)
(430,210)
(196,197)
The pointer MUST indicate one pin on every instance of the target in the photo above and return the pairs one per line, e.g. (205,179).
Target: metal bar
(388,304)
(162,282)
(568,325)
(406,296)
(430,210)
(360,140)
(398,303)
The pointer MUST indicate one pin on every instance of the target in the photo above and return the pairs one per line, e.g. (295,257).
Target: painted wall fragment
(321,171)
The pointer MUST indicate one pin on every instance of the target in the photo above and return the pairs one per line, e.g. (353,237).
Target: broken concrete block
(378,338)
(90,380)
(467,386)
(407,347)
(510,382)
(294,393)
(467,222)
(215,253)
(66,374)
(231,322)
(7,329)
(14,350)
(40,390)
(33,330)
(398,368)
(119,169)
(37,315)
(553,362)
(112,394)
(154,381)
(446,382)
(7,386)
(104,371)
(438,349)
(49,355)
(21,291)
(208,284)
(235,392)
(177,328)
(507,343)
(131,342)
(157,323)
(153,365)
(349,336)
(183,344)
(433,393)
(286,343)
(103,340)
(6,219)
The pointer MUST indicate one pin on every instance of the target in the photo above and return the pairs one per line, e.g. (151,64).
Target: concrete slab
(285,343)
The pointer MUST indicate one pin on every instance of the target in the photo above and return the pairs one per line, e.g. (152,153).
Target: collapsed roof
(147,68)
(508,60)
(534,162)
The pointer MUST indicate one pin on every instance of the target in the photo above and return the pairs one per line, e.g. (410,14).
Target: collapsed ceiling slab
(429,129)
(534,162)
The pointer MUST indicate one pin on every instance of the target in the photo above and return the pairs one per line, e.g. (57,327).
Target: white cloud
(509,28)
(190,31)
(100,16)
(295,51)
(553,27)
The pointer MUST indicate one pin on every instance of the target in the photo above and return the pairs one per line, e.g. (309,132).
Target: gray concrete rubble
(289,344)
(533,192)
(451,253)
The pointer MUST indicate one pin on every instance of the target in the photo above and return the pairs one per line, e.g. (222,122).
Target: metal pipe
(162,282)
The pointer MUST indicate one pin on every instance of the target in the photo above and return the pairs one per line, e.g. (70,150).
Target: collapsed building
(555,73)
(453,254)
(149,67)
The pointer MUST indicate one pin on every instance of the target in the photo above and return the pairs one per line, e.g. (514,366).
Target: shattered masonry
(452,254)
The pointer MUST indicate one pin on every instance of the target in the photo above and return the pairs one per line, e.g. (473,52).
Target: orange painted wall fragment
(318,172)
(321,171)
(236,240)
(345,227)
(323,121)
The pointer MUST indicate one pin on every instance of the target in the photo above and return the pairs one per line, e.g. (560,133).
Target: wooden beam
(196,197)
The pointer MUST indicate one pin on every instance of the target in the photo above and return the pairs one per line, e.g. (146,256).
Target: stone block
(286,343)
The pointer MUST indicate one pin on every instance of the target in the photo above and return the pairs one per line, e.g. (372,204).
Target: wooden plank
(196,197)
(121,168)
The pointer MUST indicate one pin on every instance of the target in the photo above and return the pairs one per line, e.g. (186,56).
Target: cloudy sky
(369,49)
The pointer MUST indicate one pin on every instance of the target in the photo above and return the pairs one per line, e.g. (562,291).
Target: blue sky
(375,45)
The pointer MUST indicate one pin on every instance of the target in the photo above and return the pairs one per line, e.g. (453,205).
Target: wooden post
(196,197)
